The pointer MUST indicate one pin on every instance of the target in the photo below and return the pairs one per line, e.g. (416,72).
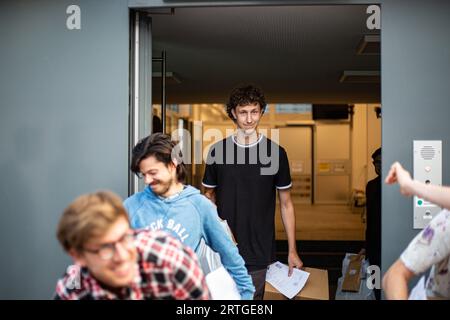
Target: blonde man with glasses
(114,262)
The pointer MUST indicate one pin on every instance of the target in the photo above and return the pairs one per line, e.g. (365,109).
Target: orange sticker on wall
(324,167)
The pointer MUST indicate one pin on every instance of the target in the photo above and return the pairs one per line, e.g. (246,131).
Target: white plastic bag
(220,284)
(208,258)
(346,262)
(364,292)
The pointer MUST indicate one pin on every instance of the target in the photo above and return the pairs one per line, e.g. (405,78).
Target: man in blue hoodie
(167,204)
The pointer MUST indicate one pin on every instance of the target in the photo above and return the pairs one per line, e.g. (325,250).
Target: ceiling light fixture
(357,76)
(369,45)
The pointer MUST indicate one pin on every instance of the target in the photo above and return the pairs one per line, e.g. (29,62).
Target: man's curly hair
(245,95)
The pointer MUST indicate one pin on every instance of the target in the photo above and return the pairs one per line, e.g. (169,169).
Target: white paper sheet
(221,285)
(277,276)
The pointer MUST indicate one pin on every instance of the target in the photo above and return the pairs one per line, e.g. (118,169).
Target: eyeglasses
(108,250)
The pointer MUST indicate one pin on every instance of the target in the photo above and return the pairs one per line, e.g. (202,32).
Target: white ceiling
(295,53)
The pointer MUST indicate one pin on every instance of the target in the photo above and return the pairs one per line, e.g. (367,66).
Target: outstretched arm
(436,194)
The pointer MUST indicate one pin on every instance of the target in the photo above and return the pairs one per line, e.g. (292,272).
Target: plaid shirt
(166,270)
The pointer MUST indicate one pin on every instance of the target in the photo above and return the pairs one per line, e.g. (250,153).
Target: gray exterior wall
(415,70)
(63,128)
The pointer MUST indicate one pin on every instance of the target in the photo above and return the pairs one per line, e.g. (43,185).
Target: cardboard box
(316,288)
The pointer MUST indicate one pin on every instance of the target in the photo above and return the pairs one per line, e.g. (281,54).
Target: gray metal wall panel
(415,98)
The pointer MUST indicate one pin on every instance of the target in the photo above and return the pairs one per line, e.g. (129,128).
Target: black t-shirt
(245,178)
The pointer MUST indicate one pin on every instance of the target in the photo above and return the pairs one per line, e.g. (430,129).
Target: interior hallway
(324,222)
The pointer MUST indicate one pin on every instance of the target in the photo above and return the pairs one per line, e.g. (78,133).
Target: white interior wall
(359,147)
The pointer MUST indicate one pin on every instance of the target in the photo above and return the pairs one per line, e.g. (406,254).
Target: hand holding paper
(277,276)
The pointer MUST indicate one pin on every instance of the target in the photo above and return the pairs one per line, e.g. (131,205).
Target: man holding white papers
(277,276)
(243,175)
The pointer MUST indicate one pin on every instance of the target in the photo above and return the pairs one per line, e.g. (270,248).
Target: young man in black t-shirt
(242,175)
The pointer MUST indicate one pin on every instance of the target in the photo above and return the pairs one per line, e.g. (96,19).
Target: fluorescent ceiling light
(369,45)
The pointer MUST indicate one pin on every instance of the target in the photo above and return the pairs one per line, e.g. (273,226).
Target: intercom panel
(427,169)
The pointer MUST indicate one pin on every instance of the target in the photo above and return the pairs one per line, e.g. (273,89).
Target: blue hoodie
(190,216)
